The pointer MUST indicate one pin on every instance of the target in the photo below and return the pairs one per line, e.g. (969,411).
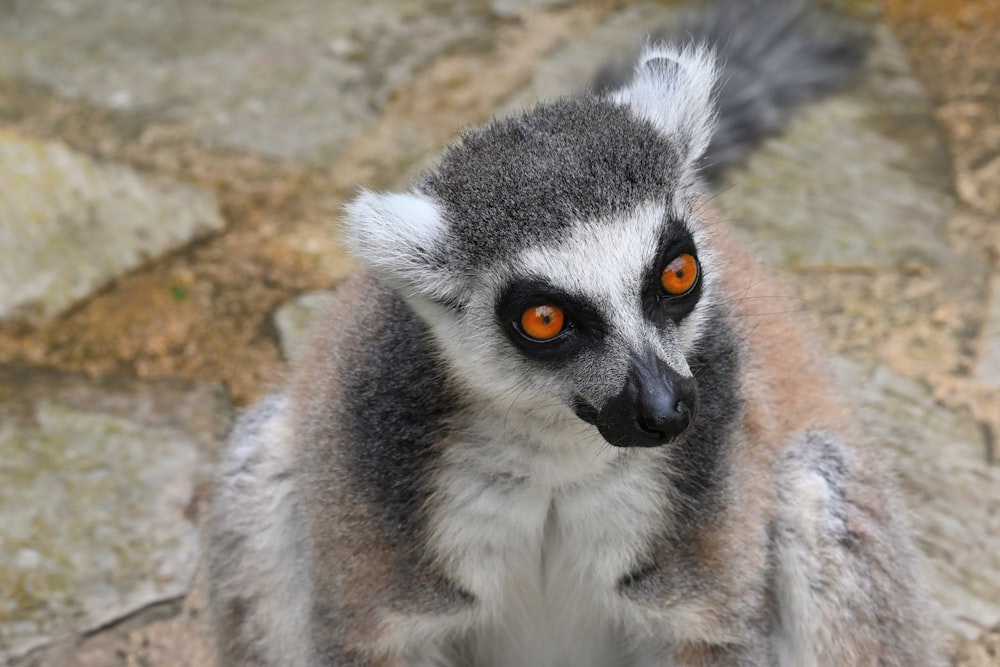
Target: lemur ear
(397,235)
(674,89)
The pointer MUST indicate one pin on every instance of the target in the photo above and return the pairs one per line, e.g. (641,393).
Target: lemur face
(612,311)
(556,256)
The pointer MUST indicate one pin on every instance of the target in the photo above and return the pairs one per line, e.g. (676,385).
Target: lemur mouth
(655,407)
(624,429)
(632,426)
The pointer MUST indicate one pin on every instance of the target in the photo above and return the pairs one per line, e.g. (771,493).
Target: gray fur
(436,487)
(256,567)
(846,546)
(526,179)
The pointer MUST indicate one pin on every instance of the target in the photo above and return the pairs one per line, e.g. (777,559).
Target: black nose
(664,409)
(655,406)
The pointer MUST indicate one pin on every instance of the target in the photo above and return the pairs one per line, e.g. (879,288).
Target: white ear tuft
(674,89)
(397,235)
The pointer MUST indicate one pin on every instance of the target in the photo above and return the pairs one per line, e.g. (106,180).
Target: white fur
(396,235)
(673,88)
(540,532)
(258,501)
(609,262)
(816,514)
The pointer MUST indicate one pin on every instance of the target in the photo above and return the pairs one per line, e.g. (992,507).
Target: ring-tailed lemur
(545,426)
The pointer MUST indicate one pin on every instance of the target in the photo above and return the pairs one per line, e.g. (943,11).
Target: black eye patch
(659,305)
(582,325)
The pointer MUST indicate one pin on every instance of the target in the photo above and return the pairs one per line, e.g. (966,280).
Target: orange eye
(680,275)
(542,322)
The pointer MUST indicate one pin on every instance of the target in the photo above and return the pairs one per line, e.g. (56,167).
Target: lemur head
(557,255)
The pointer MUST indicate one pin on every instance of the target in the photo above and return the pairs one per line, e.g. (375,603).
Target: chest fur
(542,540)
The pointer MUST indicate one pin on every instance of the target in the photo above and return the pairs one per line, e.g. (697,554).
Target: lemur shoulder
(557,420)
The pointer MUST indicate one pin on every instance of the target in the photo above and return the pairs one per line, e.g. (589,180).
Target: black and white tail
(774,56)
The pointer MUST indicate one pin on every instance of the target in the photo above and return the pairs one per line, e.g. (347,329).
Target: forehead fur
(609,262)
(530,178)
(621,251)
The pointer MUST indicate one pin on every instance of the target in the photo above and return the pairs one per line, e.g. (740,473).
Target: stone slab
(951,486)
(97,490)
(298,319)
(69,225)
(988,363)
(288,78)
(858,181)
(983,652)
(573,67)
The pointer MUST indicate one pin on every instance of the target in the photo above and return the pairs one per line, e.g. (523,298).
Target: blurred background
(171,176)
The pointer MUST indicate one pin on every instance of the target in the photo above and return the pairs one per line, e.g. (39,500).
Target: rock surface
(298,319)
(857,181)
(988,363)
(985,652)
(237,74)
(952,490)
(97,482)
(68,224)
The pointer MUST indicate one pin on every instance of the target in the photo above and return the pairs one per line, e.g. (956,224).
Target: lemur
(555,420)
